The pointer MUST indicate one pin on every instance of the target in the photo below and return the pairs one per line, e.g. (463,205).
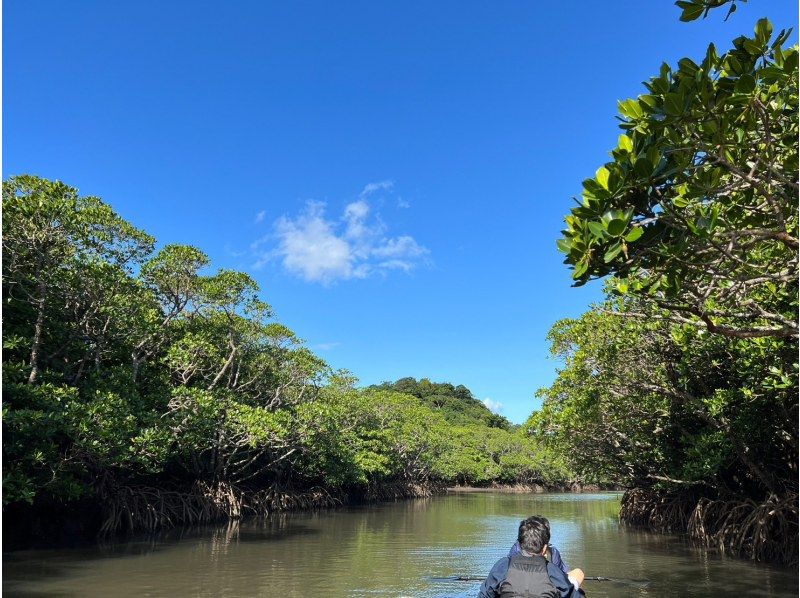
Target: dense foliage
(698,210)
(125,367)
(685,380)
(645,402)
(486,446)
(456,403)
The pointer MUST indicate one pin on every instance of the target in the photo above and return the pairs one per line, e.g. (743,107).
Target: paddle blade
(641,583)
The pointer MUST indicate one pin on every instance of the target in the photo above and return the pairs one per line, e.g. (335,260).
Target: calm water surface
(395,549)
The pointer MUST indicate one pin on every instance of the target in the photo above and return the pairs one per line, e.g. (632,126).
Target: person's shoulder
(503,561)
(501,566)
(556,558)
(496,576)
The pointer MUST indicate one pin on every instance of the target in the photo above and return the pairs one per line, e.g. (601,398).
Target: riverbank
(533,488)
(133,509)
(765,531)
(129,509)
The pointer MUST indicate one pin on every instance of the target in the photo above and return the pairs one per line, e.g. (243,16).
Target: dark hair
(534,533)
(546,522)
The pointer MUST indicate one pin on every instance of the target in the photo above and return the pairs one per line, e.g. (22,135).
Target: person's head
(534,535)
(546,522)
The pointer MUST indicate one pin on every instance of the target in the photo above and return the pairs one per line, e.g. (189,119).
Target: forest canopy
(456,403)
(139,377)
(683,382)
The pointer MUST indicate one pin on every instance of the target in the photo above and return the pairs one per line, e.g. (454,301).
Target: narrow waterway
(394,549)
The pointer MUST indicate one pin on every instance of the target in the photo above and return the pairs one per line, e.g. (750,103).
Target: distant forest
(456,403)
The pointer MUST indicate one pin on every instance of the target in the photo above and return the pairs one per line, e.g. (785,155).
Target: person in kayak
(553,555)
(528,574)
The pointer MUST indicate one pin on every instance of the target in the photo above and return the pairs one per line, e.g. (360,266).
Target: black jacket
(522,576)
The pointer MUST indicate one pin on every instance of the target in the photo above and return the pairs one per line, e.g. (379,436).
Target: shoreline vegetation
(682,384)
(760,531)
(127,510)
(565,487)
(143,390)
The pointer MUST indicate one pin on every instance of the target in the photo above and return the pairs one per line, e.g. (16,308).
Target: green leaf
(564,245)
(580,269)
(593,189)
(597,229)
(746,84)
(688,66)
(625,143)
(714,216)
(780,38)
(711,55)
(732,65)
(616,227)
(691,11)
(631,109)
(790,63)
(602,177)
(660,86)
(753,47)
(634,234)
(648,99)
(612,252)
(643,167)
(680,202)
(673,104)
(763,30)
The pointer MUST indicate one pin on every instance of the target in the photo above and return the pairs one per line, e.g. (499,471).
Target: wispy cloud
(371,188)
(260,217)
(493,406)
(320,249)
(402,203)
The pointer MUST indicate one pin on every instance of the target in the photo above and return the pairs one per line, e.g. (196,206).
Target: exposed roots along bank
(146,508)
(533,488)
(401,490)
(766,531)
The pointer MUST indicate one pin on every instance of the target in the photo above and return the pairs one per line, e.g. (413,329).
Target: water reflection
(387,550)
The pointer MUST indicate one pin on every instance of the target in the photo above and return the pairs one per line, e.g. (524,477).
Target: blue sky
(394,175)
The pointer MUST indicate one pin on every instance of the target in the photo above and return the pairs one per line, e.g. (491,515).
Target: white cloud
(493,406)
(320,249)
(260,217)
(355,215)
(310,248)
(402,203)
(399,247)
(371,188)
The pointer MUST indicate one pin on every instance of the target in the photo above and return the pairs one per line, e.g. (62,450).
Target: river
(392,549)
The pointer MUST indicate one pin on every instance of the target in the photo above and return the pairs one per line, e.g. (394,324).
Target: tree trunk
(37,333)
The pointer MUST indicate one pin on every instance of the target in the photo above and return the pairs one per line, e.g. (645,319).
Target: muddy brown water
(393,549)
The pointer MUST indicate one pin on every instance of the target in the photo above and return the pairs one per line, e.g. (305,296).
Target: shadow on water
(390,549)
(21,566)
